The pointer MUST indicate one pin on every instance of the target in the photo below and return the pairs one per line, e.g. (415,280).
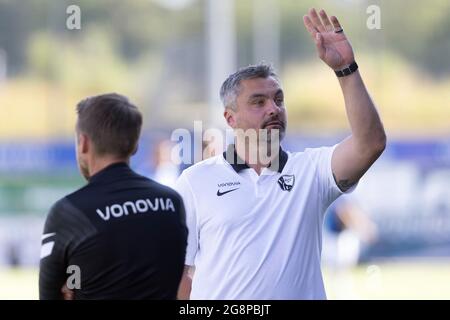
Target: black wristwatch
(346,71)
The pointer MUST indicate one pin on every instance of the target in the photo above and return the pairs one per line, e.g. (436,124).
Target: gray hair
(230,88)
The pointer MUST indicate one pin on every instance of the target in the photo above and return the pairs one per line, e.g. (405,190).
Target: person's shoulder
(58,206)
(163,189)
(75,204)
(310,158)
(80,192)
(155,187)
(83,195)
(58,211)
(200,167)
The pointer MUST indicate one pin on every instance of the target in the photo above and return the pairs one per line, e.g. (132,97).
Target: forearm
(353,156)
(184,289)
(50,283)
(366,127)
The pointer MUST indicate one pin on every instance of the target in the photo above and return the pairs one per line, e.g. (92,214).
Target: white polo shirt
(258,237)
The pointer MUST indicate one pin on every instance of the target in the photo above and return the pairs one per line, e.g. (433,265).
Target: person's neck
(257,156)
(98,164)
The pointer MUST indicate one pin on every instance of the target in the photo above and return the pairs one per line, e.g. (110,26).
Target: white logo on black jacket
(138,206)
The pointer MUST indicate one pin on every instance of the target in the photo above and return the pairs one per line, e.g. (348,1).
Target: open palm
(333,47)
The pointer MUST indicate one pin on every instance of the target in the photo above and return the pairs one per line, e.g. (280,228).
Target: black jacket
(122,236)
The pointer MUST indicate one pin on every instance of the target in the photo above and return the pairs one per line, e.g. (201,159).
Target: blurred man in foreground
(122,236)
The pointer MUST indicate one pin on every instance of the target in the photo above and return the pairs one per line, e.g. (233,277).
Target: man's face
(259,105)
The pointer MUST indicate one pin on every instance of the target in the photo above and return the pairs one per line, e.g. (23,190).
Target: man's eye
(259,102)
(279,101)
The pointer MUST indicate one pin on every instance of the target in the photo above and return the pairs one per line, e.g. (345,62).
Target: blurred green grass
(394,280)
(19,284)
(421,280)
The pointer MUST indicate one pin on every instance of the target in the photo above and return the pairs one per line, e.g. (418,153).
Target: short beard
(273,135)
(83,169)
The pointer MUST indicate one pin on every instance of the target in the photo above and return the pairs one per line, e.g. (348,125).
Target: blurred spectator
(347,232)
(161,167)
(166,171)
(209,149)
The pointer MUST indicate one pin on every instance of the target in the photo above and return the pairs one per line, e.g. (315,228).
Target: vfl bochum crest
(286,182)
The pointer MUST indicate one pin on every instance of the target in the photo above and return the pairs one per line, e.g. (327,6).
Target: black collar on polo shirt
(238,164)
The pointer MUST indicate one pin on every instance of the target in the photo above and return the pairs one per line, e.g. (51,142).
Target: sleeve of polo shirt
(185,190)
(329,191)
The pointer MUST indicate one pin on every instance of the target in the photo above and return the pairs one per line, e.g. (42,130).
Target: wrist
(348,70)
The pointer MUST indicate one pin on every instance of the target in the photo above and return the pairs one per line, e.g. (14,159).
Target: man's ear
(229,115)
(84,144)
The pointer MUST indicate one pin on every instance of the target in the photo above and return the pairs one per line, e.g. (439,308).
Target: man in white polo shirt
(255,227)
